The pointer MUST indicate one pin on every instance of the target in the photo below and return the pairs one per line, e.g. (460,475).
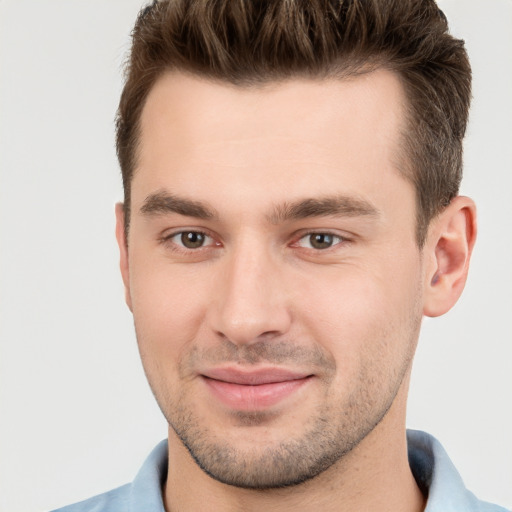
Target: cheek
(168,307)
(362,313)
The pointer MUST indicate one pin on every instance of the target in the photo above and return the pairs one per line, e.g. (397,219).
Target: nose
(250,302)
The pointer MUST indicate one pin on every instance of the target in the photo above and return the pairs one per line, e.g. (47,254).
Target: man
(291,172)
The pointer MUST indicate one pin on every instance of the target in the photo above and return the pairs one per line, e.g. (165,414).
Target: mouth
(253,390)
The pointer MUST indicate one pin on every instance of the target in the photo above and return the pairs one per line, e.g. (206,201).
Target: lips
(253,390)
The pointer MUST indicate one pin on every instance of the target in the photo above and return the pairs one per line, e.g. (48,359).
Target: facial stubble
(328,435)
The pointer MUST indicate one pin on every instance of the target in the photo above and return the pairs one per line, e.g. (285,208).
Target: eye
(319,241)
(190,239)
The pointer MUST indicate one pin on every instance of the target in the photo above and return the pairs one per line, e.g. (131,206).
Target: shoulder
(115,500)
(484,506)
(144,493)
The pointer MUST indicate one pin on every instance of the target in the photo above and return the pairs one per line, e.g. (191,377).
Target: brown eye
(321,240)
(192,239)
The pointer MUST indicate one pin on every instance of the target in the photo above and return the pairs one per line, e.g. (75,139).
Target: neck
(374,476)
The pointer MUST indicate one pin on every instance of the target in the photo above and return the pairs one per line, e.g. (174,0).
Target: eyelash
(175,246)
(180,247)
(340,239)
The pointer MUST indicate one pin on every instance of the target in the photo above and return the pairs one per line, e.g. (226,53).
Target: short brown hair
(251,42)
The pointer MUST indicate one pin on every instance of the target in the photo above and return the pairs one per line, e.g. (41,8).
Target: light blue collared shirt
(430,464)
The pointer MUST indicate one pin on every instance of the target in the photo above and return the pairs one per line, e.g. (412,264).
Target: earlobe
(123,251)
(449,246)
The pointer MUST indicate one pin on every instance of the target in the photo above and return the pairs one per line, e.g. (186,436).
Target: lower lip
(253,397)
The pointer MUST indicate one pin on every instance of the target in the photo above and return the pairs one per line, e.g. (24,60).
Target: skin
(236,166)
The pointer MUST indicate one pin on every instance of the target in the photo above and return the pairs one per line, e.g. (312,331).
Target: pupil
(321,241)
(192,240)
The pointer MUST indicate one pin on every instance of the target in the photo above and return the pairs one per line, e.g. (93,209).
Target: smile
(254,390)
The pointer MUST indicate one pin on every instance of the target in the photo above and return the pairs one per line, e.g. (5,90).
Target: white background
(76,415)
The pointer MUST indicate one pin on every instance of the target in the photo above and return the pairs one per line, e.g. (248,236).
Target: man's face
(272,270)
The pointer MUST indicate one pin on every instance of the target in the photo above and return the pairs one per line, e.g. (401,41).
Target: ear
(448,250)
(122,242)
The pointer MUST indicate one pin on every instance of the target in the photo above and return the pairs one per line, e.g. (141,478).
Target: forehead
(289,139)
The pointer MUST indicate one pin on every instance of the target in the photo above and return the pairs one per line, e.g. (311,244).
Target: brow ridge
(337,206)
(162,202)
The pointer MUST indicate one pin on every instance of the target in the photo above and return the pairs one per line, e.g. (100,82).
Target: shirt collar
(433,470)
(146,489)
(436,475)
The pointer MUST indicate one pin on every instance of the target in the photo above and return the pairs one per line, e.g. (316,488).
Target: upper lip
(254,377)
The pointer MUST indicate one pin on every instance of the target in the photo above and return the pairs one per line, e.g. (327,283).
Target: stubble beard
(331,433)
(288,463)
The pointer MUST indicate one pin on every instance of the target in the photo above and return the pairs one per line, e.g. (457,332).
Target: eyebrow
(336,206)
(164,203)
